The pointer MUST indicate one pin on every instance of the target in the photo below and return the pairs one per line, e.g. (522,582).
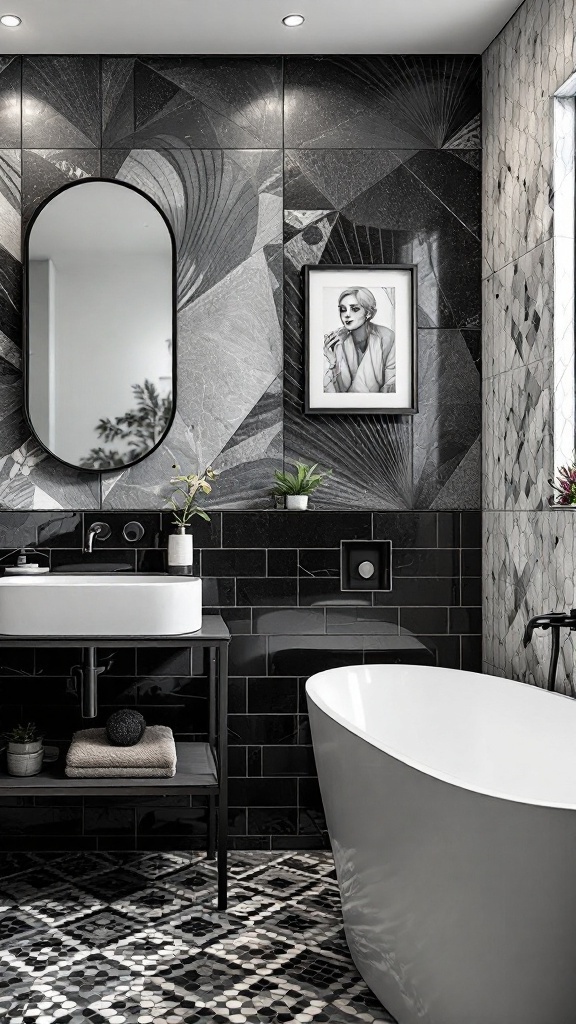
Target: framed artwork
(361,339)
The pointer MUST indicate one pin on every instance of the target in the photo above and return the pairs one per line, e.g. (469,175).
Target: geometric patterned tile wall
(529,548)
(360,166)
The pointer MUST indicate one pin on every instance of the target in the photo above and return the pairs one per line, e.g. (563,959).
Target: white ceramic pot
(297,502)
(24,758)
(180,552)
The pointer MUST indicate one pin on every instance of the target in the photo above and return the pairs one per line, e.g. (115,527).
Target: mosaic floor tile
(138,940)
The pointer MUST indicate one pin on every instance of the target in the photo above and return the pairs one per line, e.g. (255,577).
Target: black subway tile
(466,620)
(288,620)
(260,792)
(237,762)
(300,842)
(322,563)
(15,661)
(282,562)
(421,562)
(274,822)
(238,620)
(471,591)
(471,561)
(253,761)
(262,729)
(248,656)
(361,620)
(286,761)
(219,591)
(302,656)
(328,592)
(412,591)
(471,653)
(420,620)
(293,530)
(123,559)
(237,696)
(406,529)
(448,529)
(471,529)
(265,592)
(163,661)
(274,695)
(234,562)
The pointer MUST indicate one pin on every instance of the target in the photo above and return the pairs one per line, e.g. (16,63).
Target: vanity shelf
(196,774)
(202,768)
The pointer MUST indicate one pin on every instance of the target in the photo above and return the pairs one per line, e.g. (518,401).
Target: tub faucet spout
(553,621)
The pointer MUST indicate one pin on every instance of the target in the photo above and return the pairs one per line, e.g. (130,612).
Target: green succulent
(304,481)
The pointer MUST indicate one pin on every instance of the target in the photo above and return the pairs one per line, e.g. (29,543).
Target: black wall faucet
(554,621)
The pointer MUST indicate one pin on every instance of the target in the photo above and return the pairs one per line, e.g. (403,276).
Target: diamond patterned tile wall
(529,564)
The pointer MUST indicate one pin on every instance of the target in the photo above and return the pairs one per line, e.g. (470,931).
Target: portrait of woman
(360,356)
(360,338)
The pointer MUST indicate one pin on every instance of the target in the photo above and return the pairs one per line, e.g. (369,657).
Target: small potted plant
(25,750)
(297,487)
(185,504)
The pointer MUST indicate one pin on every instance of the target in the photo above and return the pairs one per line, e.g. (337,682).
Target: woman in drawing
(361,355)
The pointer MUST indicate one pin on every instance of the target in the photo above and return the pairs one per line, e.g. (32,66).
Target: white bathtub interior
(480,732)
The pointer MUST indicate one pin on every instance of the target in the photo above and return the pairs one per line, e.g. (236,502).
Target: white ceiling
(253,26)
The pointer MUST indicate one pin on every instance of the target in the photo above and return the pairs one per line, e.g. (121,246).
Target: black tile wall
(278,574)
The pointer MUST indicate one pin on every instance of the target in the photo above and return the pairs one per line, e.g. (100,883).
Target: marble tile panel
(46,170)
(216,102)
(61,102)
(10,196)
(10,102)
(382,102)
(222,205)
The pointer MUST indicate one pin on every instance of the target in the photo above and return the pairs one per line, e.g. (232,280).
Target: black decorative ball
(125,728)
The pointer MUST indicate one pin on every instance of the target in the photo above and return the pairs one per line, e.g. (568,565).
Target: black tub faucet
(554,621)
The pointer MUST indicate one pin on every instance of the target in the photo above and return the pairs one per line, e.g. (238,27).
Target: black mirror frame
(25,324)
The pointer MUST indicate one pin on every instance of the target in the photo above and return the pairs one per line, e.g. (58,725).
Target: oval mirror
(100,325)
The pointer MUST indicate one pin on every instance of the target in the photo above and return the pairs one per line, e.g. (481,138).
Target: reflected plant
(140,428)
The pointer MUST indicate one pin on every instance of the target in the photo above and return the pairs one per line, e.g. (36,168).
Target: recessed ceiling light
(292,20)
(10,20)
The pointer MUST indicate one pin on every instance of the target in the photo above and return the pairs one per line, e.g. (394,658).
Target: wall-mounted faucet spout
(100,530)
(554,621)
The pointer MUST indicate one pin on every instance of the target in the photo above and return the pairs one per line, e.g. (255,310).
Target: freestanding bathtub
(450,800)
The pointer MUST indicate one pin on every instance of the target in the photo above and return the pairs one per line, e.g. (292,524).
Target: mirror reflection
(100,325)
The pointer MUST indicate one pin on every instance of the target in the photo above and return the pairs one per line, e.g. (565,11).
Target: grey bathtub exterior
(459,907)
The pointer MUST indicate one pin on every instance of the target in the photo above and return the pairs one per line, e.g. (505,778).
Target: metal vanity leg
(211,852)
(223,778)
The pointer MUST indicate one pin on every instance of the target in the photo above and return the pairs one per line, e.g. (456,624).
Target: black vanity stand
(202,768)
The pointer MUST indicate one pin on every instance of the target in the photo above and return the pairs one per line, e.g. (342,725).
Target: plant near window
(297,487)
(565,488)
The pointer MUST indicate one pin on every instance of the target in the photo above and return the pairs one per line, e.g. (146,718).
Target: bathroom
(438,137)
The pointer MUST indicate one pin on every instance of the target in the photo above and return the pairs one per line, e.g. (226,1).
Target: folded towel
(91,756)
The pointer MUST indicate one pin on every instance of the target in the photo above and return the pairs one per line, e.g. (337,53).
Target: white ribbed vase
(180,552)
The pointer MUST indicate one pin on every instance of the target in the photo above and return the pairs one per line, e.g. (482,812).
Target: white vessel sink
(87,605)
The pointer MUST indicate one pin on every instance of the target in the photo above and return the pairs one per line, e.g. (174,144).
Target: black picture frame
(349,274)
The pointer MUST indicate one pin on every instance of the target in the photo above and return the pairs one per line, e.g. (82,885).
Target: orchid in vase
(565,488)
(185,502)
